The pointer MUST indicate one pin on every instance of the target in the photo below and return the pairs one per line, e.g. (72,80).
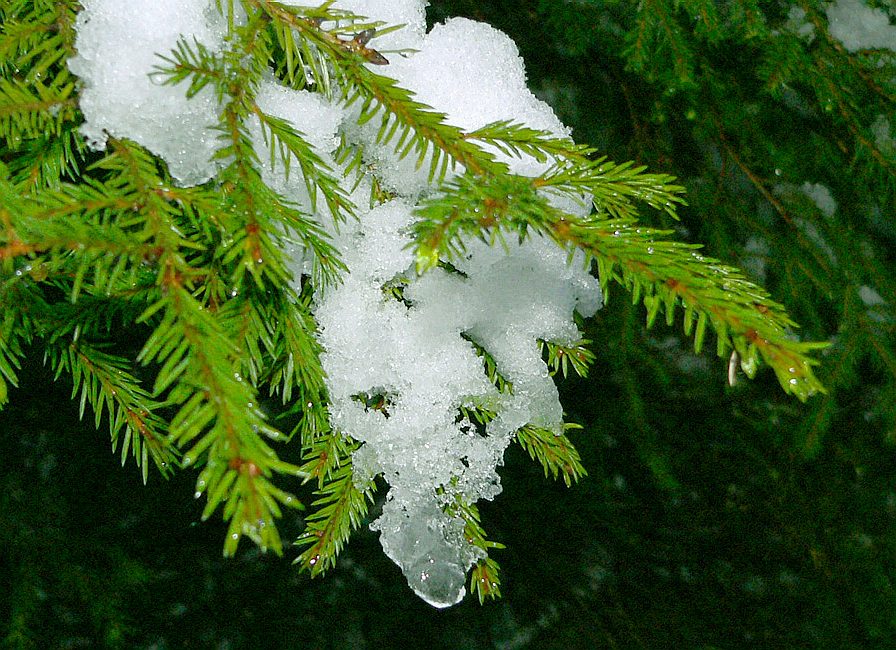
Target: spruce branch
(519,140)
(414,127)
(660,273)
(490,366)
(340,506)
(485,578)
(286,143)
(103,381)
(47,161)
(36,36)
(32,110)
(270,219)
(218,415)
(614,187)
(553,451)
(561,357)
(13,335)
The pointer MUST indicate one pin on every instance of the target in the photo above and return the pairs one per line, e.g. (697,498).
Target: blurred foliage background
(713,516)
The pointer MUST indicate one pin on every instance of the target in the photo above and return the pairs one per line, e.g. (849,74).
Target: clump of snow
(883,135)
(400,350)
(799,24)
(417,354)
(860,27)
(755,257)
(117,50)
(870,297)
(821,197)
(473,74)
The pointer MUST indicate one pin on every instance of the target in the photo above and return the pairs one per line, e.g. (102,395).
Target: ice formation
(859,26)
(404,341)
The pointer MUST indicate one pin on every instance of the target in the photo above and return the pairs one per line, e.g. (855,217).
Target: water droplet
(234,292)
(793,382)
(197,494)
(313,560)
(650,250)
(235,536)
(187,460)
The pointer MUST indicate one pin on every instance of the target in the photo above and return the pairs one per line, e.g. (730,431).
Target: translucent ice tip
(441,584)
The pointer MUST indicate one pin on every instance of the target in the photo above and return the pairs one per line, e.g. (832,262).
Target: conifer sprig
(485,577)
(562,357)
(412,127)
(554,452)
(104,381)
(660,273)
(340,507)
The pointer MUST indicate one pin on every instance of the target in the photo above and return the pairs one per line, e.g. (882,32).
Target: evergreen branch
(821,26)
(218,415)
(560,357)
(32,110)
(299,62)
(43,163)
(36,36)
(194,63)
(324,455)
(485,578)
(12,335)
(658,37)
(295,352)
(553,451)
(490,366)
(519,140)
(340,507)
(287,143)
(660,273)
(614,188)
(103,381)
(217,411)
(280,350)
(417,127)
(266,217)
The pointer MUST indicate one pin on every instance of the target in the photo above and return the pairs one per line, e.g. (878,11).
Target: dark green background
(713,517)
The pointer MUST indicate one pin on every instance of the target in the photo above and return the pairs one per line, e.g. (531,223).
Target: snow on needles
(401,350)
